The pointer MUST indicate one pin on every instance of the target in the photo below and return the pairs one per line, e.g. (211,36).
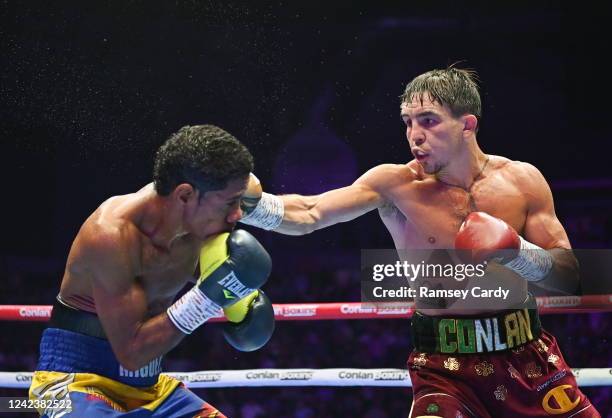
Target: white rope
(304,377)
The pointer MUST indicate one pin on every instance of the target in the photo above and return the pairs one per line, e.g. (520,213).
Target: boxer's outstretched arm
(121,303)
(542,227)
(305,214)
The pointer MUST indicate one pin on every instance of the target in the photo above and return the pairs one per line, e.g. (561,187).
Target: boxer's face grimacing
(217,211)
(433,133)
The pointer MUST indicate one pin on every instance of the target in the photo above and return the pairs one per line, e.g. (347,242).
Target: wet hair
(455,87)
(205,156)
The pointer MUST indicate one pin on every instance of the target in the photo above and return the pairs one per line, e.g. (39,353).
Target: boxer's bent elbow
(565,274)
(570,270)
(134,363)
(131,357)
(129,362)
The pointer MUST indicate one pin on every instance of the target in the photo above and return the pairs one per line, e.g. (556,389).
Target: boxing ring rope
(325,377)
(349,310)
(304,377)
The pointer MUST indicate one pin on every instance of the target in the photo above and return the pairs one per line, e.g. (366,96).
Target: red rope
(348,310)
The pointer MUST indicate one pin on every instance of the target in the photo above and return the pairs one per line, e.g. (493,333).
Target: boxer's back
(160,272)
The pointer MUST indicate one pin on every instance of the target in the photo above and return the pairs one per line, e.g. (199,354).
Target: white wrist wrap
(192,310)
(532,263)
(268,214)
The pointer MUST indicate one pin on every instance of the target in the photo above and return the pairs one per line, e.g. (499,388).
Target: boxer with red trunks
(468,362)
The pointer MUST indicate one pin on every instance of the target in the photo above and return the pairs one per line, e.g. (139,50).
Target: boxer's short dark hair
(455,87)
(205,156)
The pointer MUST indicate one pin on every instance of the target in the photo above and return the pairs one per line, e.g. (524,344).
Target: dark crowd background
(89,90)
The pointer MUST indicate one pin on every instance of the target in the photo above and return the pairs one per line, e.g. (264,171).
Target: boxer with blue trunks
(116,315)
(84,367)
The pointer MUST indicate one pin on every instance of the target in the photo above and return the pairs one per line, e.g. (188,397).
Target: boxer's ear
(470,122)
(184,192)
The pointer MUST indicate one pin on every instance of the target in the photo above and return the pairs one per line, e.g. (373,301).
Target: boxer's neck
(161,222)
(465,167)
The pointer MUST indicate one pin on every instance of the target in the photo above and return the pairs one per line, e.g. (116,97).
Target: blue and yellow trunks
(84,373)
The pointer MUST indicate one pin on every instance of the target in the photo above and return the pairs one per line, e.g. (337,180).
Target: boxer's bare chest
(428,213)
(161,276)
(164,274)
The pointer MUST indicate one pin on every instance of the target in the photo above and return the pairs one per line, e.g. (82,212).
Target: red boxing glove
(486,235)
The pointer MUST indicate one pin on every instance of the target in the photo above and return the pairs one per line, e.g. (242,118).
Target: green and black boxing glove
(232,267)
(250,322)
